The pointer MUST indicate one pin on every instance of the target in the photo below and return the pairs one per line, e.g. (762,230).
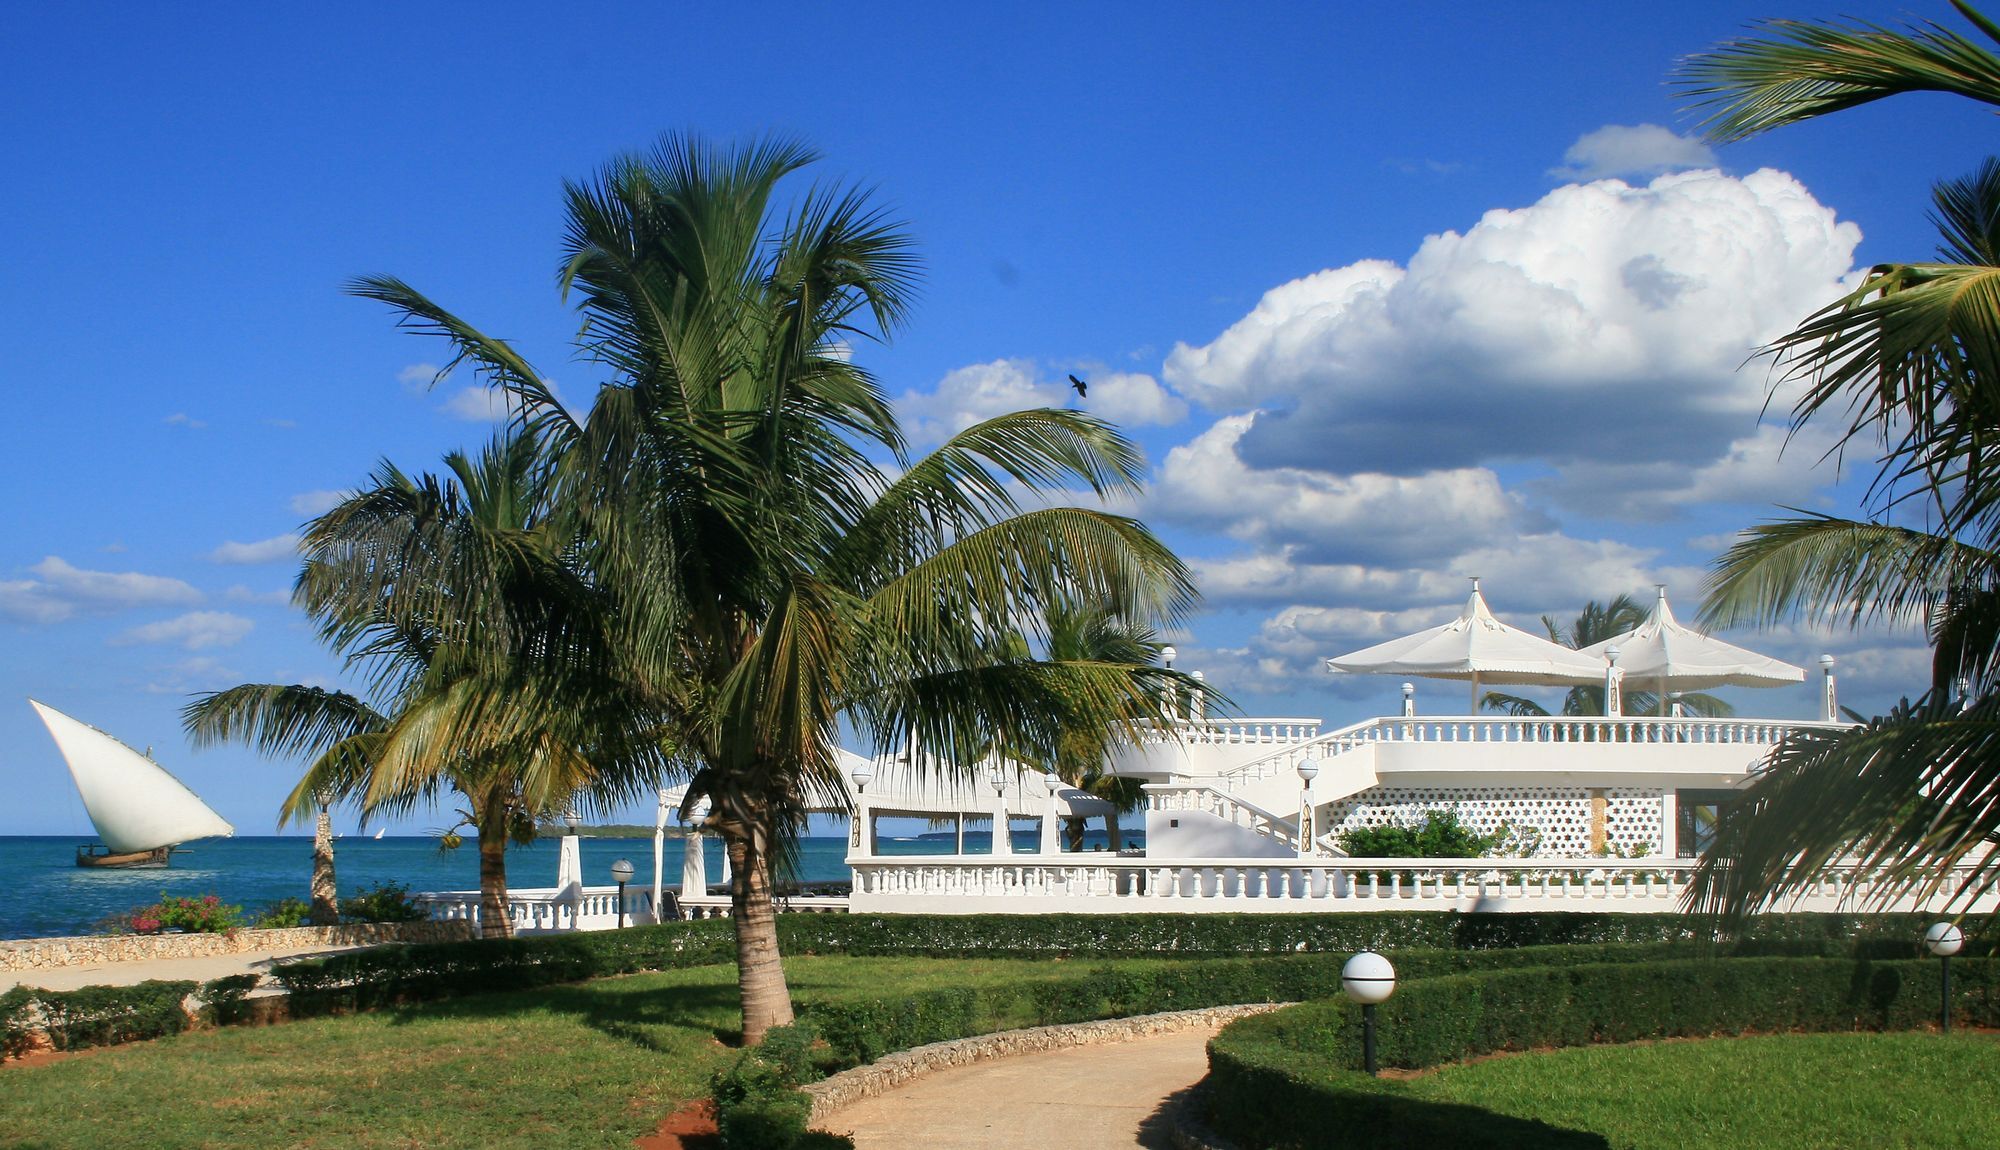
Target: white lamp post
(1832,702)
(1051,841)
(1368,979)
(862,774)
(1944,940)
(1409,700)
(1003,840)
(1614,704)
(1308,771)
(621,873)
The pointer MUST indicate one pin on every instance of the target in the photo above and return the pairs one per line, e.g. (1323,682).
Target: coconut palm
(779,565)
(1908,360)
(457,600)
(1594,624)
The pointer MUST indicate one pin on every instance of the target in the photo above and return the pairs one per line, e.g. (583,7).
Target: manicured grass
(590,1065)
(1780,1092)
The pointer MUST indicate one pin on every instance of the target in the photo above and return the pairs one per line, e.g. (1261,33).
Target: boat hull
(126,860)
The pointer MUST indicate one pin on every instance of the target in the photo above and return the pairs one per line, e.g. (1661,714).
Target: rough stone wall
(893,1070)
(88,950)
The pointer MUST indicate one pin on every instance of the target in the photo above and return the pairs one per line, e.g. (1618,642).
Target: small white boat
(380,831)
(140,811)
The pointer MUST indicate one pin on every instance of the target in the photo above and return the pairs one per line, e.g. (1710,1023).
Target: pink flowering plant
(205,915)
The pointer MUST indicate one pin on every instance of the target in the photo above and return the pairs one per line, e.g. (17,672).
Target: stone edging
(893,1070)
(88,950)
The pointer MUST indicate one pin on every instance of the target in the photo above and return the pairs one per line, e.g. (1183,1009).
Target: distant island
(607,831)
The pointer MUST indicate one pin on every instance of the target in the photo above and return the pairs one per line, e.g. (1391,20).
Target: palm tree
(1594,624)
(1909,360)
(457,599)
(778,564)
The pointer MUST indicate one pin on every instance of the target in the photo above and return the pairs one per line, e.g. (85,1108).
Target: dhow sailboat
(140,811)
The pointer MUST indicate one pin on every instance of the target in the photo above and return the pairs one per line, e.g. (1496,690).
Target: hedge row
(107,1015)
(1291,1077)
(384,975)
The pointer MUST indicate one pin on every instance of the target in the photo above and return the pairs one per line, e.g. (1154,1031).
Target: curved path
(1086,1097)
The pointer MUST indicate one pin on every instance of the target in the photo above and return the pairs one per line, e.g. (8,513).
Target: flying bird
(1082,388)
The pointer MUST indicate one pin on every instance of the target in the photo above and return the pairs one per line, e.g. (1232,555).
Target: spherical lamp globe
(621,871)
(1944,939)
(1368,978)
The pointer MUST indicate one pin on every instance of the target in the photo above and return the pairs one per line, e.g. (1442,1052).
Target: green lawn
(592,1065)
(1782,1092)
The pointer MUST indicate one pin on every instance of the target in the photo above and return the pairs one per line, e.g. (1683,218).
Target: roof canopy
(1478,647)
(1679,657)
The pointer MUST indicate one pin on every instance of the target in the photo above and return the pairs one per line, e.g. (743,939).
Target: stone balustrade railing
(1551,730)
(593,908)
(1231,731)
(981,884)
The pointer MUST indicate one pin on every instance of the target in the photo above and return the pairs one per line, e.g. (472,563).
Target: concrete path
(199,969)
(1083,1097)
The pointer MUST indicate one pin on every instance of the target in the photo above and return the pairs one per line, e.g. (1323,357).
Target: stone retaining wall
(893,1070)
(88,950)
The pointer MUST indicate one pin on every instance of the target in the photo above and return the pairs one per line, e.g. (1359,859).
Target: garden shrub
(286,912)
(205,915)
(93,1015)
(758,1105)
(1439,836)
(384,902)
(226,1000)
(1290,1077)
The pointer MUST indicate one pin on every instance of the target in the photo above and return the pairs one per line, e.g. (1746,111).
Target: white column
(1831,710)
(1614,705)
(1051,822)
(659,855)
(1409,700)
(1197,699)
(1003,842)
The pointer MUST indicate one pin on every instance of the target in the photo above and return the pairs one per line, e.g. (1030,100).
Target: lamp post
(1051,826)
(1409,700)
(861,775)
(1308,771)
(1003,838)
(1831,703)
(1944,940)
(1368,978)
(572,820)
(621,872)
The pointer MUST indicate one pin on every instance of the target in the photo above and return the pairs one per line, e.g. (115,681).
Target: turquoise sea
(48,894)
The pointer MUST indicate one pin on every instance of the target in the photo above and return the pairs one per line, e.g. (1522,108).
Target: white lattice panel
(1561,815)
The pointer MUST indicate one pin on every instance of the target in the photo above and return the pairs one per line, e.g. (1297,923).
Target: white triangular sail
(132,800)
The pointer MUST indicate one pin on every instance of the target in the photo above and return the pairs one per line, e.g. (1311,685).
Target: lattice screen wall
(1561,814)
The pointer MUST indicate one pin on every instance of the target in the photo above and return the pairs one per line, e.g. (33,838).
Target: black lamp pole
(1368,1038)
(1944,1003)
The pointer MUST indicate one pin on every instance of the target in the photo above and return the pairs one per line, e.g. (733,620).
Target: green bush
(286,912)
(205,915)
(758,1105)
(386,902)
(92,1015)
(1289,1077)
(1439,836)
(227,999)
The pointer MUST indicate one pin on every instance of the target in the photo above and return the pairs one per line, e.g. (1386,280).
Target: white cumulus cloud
(1632,150)
(312,503)
(195,631)
(60,589)
(272,550)
(1606,323)
(980,391)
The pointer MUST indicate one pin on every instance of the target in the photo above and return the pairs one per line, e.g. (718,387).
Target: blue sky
(1351,273)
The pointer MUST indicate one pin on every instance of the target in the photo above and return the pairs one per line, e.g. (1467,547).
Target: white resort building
(1606,812)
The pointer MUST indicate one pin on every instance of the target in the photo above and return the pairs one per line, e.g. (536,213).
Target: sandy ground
(128,973)
(1086,1097)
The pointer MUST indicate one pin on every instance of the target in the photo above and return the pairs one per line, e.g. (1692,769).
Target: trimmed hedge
(91,1015)
(413,973)
(1291,1077)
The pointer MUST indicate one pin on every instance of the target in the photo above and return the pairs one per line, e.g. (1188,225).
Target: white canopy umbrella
(1682,658)
(1478,647)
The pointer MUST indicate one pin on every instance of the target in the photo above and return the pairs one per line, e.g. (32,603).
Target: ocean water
(47,894)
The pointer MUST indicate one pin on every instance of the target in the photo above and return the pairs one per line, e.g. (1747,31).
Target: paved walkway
(1082,1097)
(199,969)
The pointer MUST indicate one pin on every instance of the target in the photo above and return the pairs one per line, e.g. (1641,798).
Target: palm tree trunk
(493,919)
(760,970)
(325,905)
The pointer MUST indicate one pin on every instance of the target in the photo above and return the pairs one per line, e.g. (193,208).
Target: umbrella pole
(1475,694)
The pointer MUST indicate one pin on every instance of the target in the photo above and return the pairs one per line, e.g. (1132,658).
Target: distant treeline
(608,831)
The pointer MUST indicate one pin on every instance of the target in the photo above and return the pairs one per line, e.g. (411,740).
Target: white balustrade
(596,908)
(980,884)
